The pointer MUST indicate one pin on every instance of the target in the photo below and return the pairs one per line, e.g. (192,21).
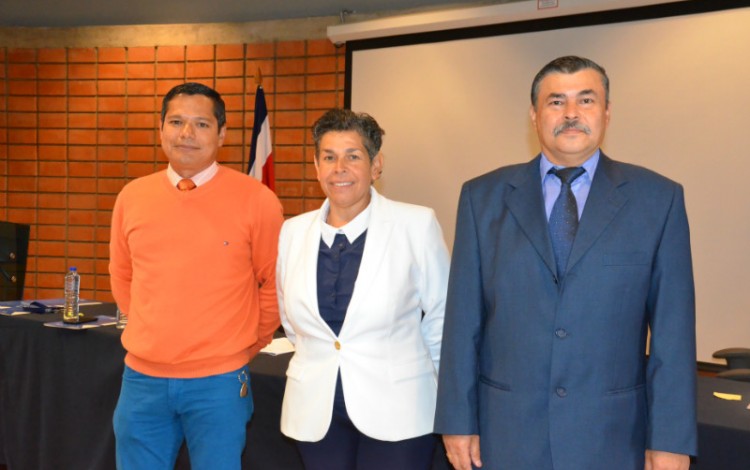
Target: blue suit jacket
(553,373)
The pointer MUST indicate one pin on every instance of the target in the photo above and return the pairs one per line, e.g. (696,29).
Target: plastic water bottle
(72,289)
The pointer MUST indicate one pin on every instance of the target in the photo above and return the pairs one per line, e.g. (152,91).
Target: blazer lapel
(604,202)
(526,202)
(310,253)
(378,233)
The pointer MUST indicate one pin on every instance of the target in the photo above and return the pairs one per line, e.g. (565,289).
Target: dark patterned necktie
(563,220)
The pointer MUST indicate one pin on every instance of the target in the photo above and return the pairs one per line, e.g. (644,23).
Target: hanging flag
(260,166)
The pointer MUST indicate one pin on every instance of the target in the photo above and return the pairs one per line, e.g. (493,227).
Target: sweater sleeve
(265,236)
(120,263)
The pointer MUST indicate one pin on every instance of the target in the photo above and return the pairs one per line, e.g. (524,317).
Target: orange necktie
(185,184)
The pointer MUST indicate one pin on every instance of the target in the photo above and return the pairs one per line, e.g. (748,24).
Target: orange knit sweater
(195,271)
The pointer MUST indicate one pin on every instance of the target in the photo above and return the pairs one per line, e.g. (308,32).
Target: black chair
(14,249)
(738,363)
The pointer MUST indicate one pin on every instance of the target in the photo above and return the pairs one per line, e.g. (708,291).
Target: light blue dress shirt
(580,186)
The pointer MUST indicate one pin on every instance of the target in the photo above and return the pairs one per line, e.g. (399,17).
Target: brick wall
(76,124)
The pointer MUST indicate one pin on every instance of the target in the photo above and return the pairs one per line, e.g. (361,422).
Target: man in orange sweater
(192,263)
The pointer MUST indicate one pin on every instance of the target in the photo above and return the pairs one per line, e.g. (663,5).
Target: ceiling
(75,13)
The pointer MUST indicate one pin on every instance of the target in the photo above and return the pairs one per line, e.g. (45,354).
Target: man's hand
(659,460)
(463,451)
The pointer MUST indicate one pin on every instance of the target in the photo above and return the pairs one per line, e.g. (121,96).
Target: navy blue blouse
(338,267)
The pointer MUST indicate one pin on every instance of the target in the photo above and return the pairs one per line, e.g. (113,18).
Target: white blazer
(388,353)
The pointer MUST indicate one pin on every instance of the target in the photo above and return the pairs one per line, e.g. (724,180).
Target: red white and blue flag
(260,166)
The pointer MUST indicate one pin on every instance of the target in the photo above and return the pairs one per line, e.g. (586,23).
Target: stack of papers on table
(278,346)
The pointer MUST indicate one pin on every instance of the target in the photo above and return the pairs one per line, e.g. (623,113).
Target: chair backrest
(738,363)
(737,358)
(14,250)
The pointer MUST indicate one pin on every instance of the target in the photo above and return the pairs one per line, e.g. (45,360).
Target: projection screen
(456,108)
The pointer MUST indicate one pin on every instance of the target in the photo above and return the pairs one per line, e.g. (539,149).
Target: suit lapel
(526,202)
(604,202)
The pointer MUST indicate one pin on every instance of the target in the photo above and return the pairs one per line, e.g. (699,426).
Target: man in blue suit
(561,268)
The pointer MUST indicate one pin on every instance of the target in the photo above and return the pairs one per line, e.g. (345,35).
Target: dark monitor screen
(14,247)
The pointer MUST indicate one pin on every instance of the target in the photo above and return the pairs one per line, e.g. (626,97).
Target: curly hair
(342,120)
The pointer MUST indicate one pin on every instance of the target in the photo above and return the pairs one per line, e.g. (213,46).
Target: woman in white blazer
(361,285)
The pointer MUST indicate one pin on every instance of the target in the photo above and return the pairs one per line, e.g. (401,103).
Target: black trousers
(345,448)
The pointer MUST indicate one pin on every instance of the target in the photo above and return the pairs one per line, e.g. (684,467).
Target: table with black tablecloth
(59,388)
(723,426)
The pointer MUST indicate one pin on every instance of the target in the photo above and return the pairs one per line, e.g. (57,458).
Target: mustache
(574,124)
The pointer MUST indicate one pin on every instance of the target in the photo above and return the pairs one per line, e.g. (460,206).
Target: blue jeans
(155,414)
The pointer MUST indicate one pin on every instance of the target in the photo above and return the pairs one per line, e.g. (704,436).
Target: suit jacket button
(337,345)
(561,392)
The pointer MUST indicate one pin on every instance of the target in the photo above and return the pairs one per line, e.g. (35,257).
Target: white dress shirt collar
(352,230)
(199,178)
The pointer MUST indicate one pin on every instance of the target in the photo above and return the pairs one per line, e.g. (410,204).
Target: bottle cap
(72,268)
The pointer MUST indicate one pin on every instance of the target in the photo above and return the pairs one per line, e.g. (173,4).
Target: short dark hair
(341,120)
(568,64)
(192,88)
